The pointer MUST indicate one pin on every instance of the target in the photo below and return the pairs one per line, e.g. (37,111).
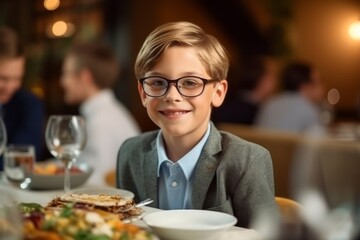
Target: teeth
(174,113)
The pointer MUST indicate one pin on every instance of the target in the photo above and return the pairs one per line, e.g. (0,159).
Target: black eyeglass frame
(175,81)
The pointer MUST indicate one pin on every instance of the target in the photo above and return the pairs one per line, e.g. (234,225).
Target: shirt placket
(175,186)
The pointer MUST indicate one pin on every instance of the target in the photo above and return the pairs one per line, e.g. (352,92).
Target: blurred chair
(282,147)
(327,165)
(332,169)
(292,224)
(110,178)
(290,210)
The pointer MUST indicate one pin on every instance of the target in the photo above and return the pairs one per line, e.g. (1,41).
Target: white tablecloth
(43,197)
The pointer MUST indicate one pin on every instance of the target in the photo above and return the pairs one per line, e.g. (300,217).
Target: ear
(219,93)
(142,94)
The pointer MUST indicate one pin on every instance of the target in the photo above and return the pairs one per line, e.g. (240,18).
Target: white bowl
(56,181)
(189,224)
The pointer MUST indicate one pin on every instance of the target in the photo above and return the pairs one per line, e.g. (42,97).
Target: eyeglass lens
(187,86)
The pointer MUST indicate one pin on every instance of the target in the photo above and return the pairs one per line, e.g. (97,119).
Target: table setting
(52,199)
(180,226)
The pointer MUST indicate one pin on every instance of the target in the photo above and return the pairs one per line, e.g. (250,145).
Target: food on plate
(71,222)
(52,169)
(101,203)
(30,207)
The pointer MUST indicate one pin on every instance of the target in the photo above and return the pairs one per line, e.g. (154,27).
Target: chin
(176,131)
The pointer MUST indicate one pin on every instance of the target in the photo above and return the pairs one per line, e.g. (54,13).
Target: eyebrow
(182,74)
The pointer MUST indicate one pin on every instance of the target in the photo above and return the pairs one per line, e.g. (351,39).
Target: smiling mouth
(173,113)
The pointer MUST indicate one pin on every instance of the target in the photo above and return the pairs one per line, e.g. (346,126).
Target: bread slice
(105,203)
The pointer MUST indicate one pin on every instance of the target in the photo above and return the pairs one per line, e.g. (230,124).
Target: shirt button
(174,184)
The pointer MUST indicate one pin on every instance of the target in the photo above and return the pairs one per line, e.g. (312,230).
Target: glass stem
(67,185)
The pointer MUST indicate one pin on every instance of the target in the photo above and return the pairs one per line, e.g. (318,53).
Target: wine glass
(65,138)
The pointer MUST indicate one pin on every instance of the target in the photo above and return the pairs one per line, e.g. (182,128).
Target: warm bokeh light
(51,4)
(333,96)
(59,28)
(354,30)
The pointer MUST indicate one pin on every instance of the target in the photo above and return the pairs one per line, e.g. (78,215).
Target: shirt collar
(188,161)
(99,100)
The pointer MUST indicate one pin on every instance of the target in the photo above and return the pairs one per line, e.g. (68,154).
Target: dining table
(44,196)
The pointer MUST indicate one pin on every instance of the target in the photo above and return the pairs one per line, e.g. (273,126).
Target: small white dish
(56,181)
(189,224)
(104,190)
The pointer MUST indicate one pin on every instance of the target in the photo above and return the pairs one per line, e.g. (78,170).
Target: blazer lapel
(150,160)
(206,168)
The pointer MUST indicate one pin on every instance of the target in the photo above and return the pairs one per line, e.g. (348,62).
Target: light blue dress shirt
(176,179)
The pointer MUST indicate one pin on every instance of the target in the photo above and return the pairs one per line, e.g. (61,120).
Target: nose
(172,93)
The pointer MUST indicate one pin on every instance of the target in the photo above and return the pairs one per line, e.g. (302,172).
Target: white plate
(52,182)
(189,224)
(104,190)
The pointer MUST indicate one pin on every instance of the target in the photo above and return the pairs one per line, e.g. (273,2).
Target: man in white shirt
(89,72)
(297,108)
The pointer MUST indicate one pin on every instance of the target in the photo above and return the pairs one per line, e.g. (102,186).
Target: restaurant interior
(316,31)
(325,33)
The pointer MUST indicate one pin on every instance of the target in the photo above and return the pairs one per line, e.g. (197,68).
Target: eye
(190,82)
(156,82)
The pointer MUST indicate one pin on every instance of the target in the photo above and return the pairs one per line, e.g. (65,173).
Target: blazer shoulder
(237,147)
(140,143)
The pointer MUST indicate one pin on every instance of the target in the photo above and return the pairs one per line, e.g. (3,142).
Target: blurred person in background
(89,72)
(298,107)
(22,112)
(257,83)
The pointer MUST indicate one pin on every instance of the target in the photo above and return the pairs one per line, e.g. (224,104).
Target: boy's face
(71,82)
(11,74)
(177,115)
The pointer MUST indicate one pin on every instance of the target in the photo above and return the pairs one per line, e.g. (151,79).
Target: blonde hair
(209,50)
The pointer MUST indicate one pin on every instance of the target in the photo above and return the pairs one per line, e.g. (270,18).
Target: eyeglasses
(188,86)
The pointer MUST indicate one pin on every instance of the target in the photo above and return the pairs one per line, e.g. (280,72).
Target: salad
(71,223)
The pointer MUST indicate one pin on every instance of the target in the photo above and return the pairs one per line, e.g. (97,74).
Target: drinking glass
(3,136)
(18,164)
(65,138)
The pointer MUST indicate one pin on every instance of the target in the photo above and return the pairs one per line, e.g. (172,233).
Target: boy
(89,72)
(188,163)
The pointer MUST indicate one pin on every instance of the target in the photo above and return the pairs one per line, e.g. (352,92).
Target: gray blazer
(232,175)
